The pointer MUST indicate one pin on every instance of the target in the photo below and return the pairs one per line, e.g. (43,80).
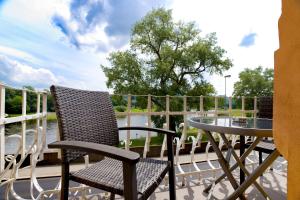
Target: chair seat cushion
(108,175)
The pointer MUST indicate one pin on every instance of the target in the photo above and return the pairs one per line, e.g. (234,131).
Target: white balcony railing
(10,166)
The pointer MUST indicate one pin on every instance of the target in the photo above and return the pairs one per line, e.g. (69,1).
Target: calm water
(11,144)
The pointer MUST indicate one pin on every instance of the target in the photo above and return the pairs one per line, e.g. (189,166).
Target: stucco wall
(287,93)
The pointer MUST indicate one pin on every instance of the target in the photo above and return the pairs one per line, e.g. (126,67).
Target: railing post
(148,138)
(23,133)
(243,106)
(230,106)
(255,107)
(128,121)
(38,106)
(168,111)
(216,106)
(184,121)
(149,110)
(166,126)
(44,124)
(201,106)
(2,127)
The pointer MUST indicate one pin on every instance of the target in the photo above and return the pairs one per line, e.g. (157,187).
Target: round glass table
(257,127)
(232,125)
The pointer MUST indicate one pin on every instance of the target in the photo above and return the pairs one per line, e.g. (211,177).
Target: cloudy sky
(65,41)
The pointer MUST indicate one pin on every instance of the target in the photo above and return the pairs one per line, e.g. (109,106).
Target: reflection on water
(12,143)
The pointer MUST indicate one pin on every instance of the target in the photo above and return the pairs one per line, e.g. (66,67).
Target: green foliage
(165,58)
(14,105)
(120,108)
(118,100)
(256,82)
(13,101)
(50,103)
(31,99)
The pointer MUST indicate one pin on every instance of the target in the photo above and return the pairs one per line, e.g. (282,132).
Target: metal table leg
(242,158)
(224,164)
(257,172)
(242,166)
(242,150)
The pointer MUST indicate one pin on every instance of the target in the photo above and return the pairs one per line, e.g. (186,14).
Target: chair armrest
(105,150)
(158,130)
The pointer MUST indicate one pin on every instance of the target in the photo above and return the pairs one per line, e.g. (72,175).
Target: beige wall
(287,93)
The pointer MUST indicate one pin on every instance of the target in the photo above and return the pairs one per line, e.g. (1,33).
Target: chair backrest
(84,116)
(265,107)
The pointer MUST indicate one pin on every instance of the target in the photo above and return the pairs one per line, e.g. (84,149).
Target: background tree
(13,101)
(31,99)
(165,58)
(254,82)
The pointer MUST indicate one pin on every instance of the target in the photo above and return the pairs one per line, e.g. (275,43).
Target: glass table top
(257,123)
(242,125)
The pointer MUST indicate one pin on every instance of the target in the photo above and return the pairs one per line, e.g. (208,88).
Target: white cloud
(21,74)
(35,12)
(17,54)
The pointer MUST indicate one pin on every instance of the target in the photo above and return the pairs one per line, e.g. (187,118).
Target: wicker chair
(87,124)
(265,110)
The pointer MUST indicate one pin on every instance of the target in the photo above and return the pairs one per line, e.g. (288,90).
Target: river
(11,143)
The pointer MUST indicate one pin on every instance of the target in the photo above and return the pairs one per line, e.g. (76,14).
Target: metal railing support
(23,132)
(2,127)
(216,106)
(201,106)
(44,124)
(184,131)
(255,107)
(128,121)
(38,108)
(230,106)
(243,106)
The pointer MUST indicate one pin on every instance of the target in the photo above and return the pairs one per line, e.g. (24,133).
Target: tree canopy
(255,82)
(166,57)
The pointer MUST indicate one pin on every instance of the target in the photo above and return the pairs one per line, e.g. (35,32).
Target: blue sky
(65,41)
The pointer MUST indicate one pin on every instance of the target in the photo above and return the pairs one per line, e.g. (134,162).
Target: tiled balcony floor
(273,183)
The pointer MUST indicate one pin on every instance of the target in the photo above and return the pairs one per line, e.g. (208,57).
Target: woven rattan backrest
(84,116)
(265,107)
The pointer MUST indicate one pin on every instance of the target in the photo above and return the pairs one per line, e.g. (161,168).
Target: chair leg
(64,192)
(260,157)
(112,196)
(130,181)
(172,191)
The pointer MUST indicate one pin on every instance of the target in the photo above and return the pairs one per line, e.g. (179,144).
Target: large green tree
(166,58)
(254,82)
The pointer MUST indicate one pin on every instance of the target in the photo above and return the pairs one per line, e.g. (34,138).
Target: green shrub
(120,108)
